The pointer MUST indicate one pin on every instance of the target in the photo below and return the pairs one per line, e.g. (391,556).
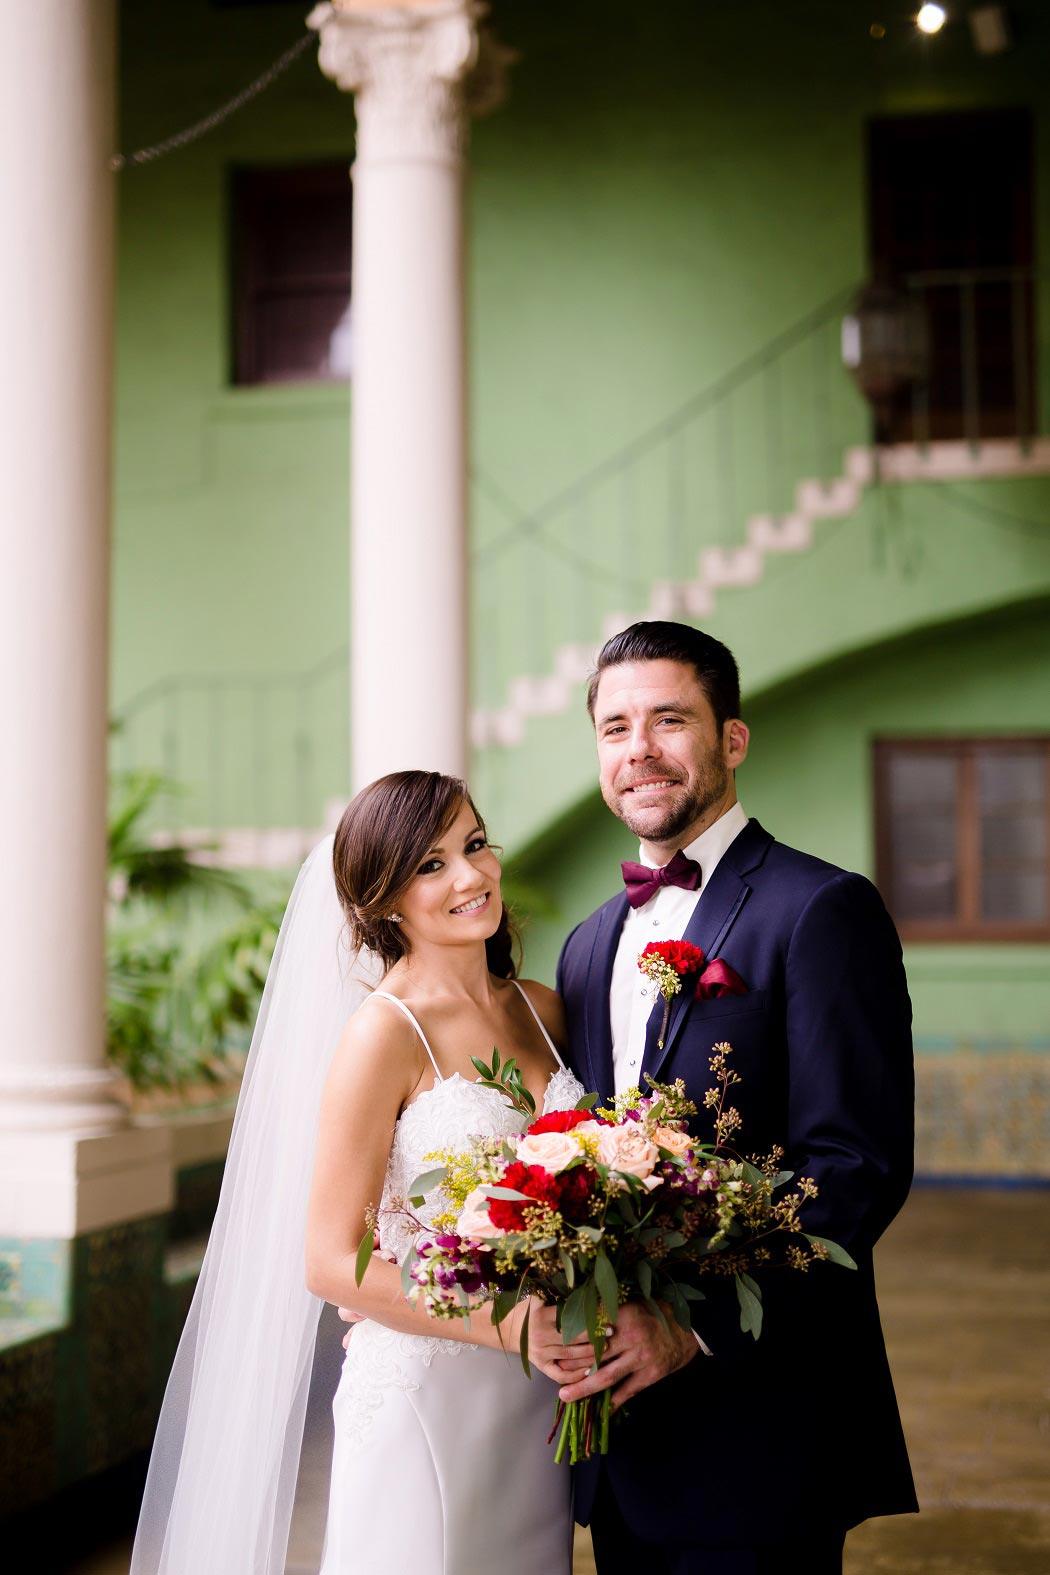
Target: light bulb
(931,18)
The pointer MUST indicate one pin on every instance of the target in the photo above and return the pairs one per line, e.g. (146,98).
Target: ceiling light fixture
(931,18)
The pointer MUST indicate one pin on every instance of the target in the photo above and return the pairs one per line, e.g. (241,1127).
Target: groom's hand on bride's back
(641,1351)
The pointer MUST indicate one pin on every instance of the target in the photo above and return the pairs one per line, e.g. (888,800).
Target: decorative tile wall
(983,1111)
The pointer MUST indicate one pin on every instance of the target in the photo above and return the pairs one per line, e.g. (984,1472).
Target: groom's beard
(686,805)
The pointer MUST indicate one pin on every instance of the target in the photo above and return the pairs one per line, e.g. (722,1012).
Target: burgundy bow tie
(643,882)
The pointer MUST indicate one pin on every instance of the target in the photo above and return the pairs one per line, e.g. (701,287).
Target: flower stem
(566,1429)
(603,1444)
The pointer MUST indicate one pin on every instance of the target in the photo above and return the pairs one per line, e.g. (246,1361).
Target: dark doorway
(950,222)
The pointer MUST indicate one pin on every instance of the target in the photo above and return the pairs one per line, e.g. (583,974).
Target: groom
(737,1457)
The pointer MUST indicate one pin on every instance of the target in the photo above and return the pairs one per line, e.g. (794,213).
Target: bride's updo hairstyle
(385,834)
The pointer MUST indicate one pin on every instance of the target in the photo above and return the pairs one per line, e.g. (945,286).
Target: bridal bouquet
(590,1208)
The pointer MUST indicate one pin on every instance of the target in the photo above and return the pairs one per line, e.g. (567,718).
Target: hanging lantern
(885,347)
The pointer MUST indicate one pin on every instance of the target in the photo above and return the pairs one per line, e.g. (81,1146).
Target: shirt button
(656,924)
(634,1062)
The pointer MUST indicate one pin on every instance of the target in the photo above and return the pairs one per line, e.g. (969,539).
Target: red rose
(560,1121)
(536,1183)
(682,956)
(576,1188)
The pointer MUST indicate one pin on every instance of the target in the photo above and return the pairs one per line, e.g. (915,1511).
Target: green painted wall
(667,188)
(982,1012)
(808,778)
(910,558)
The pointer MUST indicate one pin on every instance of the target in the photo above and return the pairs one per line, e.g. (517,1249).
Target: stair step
(725,567)
(539,696)
(575,663)
(721,566)
(790,533)
(827,500)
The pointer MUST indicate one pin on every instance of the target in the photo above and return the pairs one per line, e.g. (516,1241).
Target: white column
(417,73)
(57,72)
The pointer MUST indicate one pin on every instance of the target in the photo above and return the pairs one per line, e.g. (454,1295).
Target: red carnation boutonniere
(670,963)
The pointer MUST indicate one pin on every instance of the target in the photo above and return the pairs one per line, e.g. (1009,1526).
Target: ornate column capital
(418,73)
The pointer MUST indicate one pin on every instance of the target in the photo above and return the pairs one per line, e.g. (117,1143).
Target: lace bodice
(447,1116)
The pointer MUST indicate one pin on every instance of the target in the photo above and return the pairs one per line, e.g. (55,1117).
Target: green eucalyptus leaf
(628,1210)
(657,1312)
(836,1254)
(750,1299)
(364,1255)
(605,1279)
(677,1301)
(523,1341)
(426,1183)
(574,1315)
(503,1303)
(590,1308)
(588,1102)
(692,1293)
(569,1267)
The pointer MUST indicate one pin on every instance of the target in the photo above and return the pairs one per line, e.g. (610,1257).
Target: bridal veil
(222,1477)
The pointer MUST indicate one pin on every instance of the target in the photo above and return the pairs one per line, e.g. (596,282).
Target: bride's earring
(395,918)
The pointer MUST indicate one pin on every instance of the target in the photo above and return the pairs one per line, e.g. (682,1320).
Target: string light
(200,128)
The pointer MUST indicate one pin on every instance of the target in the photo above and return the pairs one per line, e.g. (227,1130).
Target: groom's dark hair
(657,641)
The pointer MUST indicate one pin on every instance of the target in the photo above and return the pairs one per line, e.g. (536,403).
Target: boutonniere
(670,963)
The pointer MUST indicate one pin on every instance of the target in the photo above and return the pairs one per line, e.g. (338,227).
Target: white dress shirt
(663,918)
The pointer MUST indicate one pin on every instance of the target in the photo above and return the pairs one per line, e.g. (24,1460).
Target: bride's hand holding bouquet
(600,1224)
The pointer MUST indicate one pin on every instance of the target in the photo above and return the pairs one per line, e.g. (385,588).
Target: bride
(396,951)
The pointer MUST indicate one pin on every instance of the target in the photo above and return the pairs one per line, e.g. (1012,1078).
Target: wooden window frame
(969,926)
(245,287)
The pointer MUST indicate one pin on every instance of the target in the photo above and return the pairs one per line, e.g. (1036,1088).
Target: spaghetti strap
(403,1008)
(539,1020)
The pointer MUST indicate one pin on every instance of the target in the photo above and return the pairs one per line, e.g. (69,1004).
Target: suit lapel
(712,918)
(598,1016)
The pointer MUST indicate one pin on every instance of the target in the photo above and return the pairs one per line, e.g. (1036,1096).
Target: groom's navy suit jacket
(774,1440)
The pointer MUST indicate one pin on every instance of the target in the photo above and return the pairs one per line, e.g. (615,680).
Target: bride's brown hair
(385,834)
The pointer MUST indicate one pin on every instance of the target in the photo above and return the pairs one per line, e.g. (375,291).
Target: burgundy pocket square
(719,979)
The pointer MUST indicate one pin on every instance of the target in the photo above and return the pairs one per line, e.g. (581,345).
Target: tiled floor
(964,1281)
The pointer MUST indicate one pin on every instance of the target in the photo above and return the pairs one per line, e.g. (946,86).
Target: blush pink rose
(551,1150)
(628,1150)
(474,1221)
(674,1141)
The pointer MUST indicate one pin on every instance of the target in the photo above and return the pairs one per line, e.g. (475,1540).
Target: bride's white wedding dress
(441,1463)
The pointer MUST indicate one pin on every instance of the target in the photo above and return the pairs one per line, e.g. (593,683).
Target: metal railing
(734,450)
(260,750)
(981,359)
